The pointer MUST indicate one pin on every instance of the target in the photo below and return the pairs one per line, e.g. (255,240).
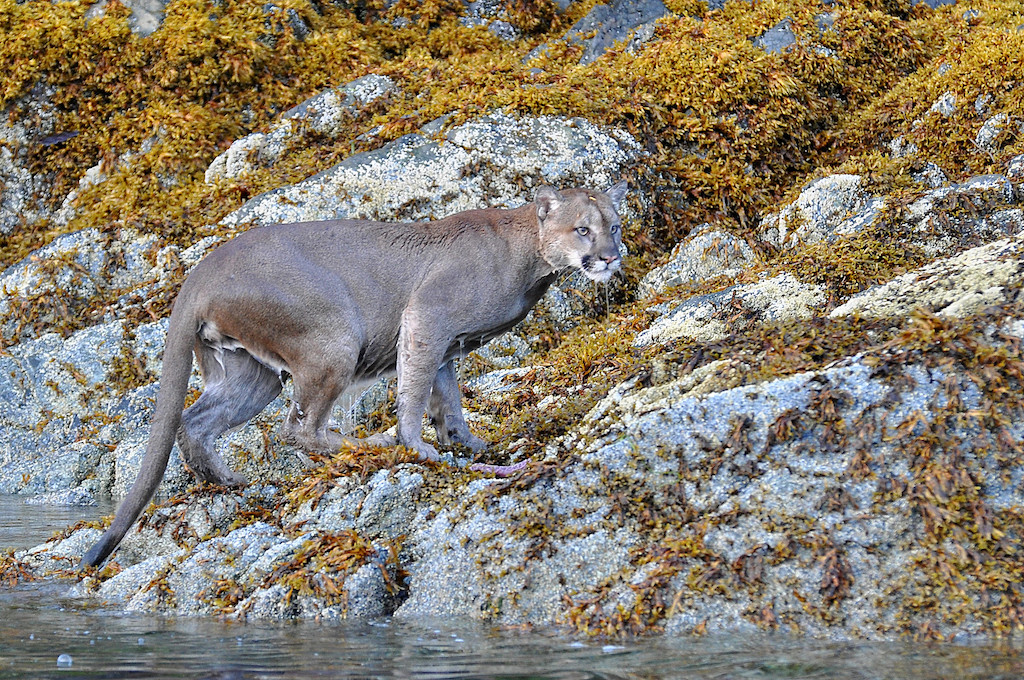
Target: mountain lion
(332,303)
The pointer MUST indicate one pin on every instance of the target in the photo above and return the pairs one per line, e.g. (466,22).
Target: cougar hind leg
(237,388)
(316,388)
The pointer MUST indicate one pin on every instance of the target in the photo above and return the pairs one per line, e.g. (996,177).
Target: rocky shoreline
(812,421)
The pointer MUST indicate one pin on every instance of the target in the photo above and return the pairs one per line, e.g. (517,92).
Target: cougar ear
(547,200)
(617,193)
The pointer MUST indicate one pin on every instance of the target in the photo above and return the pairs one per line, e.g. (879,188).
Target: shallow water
(25,526)
(38,624)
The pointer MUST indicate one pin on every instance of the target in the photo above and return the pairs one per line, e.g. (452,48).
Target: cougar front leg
(445,411)
(419,354)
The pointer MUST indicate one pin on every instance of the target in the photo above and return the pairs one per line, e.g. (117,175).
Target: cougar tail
(170,400)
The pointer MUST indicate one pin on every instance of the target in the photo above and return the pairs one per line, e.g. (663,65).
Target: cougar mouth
(596,269)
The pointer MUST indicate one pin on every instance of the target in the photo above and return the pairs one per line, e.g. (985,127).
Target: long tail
(177,366)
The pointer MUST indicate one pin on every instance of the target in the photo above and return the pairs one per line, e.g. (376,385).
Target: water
(44,634)
(25,526)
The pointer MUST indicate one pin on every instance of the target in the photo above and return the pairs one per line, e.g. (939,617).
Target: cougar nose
(610,259)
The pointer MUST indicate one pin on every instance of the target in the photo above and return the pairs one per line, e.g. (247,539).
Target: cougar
(336,302)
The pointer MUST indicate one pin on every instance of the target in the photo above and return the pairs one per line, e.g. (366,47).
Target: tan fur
(332,303)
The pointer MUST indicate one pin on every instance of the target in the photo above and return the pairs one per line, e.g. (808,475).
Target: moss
(14,571)
(360,462)
(127,370)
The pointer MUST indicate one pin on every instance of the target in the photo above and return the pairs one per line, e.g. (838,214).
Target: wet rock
(944,105)
(931,175)
(945,219)
(383,507)
(614,22)
(61,553)
(79,496)
(776,39)
(1015,169)
(492,14)
(704,256)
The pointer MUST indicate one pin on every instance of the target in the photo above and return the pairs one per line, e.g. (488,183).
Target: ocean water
(45,634)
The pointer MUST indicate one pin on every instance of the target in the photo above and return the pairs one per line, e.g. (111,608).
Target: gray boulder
(47,288)
(954,287)
(703,256)
(776,39)
(321,114)
(1015,170)
(950,218)
(833,205)
(146,15)
(706,318)
(495,161)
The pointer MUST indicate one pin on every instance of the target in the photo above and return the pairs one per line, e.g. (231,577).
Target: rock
(496,382)
(831,205)
(238,572)
(1015,170)
(506,351)
(146,15)
(59,553)
(418,178)
(46,289)
(384,507)
(705,318)
(953,287)
(492,14)
(299,27)
(931,175)
(776,39)
(944,219)
(933,4)
(701,257)
(23,194)
(79,496)
(990,130)
(901,148)
(321,114)
(614,22)
(777,481)
(944,105)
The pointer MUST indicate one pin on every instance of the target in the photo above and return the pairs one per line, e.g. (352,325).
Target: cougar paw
(473,442)
(382,439)
(424,450)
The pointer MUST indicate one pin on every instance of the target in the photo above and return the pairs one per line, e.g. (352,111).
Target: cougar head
(581,228)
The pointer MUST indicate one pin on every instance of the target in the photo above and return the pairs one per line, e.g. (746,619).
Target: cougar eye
(582,231)
(615,228)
